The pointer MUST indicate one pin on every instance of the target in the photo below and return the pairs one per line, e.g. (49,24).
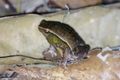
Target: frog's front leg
(50,53)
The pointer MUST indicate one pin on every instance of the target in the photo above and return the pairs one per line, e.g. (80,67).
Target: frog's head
(51,25)
(44,27)
(81,51)
(47,24)
(44,24)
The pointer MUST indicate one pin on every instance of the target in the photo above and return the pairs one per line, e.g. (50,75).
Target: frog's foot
(62,64)
(50,53)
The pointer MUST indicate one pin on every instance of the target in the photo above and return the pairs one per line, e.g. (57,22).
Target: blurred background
(12,7)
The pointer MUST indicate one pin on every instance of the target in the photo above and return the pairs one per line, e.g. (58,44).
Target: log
(93,68)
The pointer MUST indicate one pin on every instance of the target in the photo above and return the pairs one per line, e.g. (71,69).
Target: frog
(57,47)
(64,41)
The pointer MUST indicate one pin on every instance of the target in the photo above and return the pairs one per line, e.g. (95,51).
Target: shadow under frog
(65,43)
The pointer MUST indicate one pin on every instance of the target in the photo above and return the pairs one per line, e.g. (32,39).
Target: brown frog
(65,43)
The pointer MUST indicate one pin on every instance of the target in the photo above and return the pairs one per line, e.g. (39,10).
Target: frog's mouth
(43,31)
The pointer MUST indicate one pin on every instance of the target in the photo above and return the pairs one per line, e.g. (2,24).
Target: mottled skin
(64,38)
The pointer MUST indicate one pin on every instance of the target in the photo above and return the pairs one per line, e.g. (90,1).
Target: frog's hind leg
(83,52)
(67,58)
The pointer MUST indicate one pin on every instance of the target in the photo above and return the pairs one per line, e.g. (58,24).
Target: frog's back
(65,32)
